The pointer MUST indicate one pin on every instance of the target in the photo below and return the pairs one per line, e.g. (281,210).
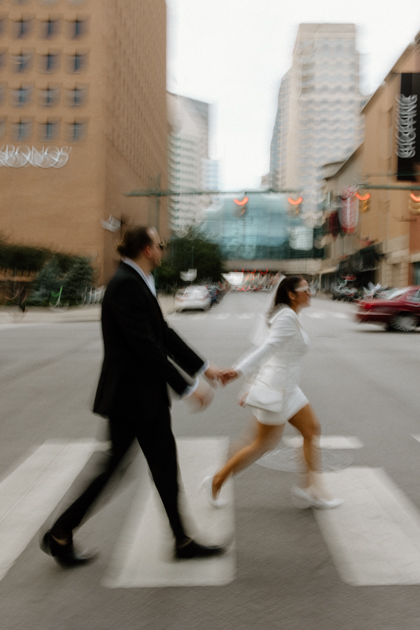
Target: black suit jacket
(138,346)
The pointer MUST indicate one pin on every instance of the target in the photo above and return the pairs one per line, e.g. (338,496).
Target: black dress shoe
(64,555)
(193,549)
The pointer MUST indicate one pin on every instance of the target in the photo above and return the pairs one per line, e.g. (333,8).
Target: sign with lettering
(407,128)
(22,155)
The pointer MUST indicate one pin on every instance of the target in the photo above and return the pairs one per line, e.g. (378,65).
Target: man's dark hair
(134,241)
(286,286)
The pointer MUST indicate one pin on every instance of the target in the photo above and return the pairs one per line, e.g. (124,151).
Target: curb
(76,314)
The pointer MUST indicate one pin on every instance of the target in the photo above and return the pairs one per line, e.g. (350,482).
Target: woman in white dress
(276,398)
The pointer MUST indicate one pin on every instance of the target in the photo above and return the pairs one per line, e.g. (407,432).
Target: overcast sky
(233,53)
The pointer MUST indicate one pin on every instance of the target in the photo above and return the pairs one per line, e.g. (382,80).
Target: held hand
(213,374)
(201,398)
(242,400)
(228,375)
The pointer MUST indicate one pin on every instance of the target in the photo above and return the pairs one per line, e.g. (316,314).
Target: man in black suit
(133,393)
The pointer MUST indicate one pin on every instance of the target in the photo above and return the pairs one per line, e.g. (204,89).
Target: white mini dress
(275,368)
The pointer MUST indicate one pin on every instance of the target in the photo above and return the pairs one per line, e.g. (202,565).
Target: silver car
(193,297)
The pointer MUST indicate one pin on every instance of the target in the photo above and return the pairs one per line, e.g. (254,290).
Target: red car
(399,309)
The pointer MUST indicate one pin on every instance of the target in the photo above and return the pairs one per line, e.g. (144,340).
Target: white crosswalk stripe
(30,493)
(374,537)
(327,441)
(144,555)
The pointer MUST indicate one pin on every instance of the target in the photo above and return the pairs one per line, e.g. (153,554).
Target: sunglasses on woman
(302,289)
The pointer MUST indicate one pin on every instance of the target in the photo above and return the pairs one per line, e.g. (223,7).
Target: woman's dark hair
(134,241)
(286,286)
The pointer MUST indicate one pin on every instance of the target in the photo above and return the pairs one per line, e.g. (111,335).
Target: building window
(50,96)
(77,28)
(2,127)
(49,62)
(2,25)
(2,93)
(22,96)
(77,96)
(22,61)
(22,130)
(50,28)
(77,62)
(49,130)
(23,27)
(77,130)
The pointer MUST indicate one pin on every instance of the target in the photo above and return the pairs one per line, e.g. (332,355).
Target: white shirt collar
(149,279)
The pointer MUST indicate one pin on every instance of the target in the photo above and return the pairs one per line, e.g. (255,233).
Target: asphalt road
(361,381)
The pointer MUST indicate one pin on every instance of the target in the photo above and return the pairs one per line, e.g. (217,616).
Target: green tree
(49,279)
(79,278)
(21,258)
(193,251)
(73,273)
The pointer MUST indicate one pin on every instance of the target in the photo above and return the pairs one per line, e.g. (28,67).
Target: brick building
(82,121)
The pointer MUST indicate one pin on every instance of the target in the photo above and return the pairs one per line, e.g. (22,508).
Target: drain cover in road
(288,459)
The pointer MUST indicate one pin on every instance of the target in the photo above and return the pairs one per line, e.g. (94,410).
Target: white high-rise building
(278,157)
(318,118)
(210,174)
(188,155)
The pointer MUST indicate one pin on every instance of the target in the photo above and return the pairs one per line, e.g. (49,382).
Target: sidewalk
(37,315)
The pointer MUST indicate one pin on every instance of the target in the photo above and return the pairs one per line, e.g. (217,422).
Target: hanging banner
(407,131)
(334,224)
(349,210)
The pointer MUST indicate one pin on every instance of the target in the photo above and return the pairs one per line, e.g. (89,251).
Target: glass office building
(266,227)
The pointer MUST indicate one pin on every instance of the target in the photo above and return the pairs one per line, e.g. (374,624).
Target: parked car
(397,309)
(193,297)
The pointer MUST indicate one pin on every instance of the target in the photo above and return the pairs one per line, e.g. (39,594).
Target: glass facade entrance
(261,228)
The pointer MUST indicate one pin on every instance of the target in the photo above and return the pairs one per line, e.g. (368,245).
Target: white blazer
(275,368)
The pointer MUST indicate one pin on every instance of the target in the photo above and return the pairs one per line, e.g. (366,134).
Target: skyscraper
(318,118)
(188,155)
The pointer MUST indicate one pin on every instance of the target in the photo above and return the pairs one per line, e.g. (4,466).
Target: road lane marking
(328,441)
(340,315)
(244,315)
(316,314)
(374,537)
(30,493)
(416,437)
(223,316)
(143,556)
